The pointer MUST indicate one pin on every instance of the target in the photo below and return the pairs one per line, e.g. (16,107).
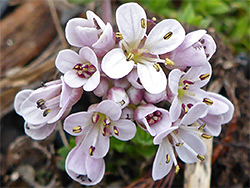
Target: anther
(154,19)
(40,103)
(177,169)
(184,108)
(204,76)
(185,87)
(107,121)
(77,129)
(118,35)
(82,177)
(46,112)
(91,150)
(143,23)
(202,127)
(130,57)
(206,136)
(157,67)
(169,62)
(122,102)
(208,101)
(179,144)
(190,105)
(200,157)
(188,82)
(95,118)
(116,131)
(96,24)
(168,35)
(167,158)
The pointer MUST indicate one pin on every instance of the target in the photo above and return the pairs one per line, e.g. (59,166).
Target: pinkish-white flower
(79,70)
(185,89)
(198,45)
(84,169)
(97,125)
(118,95)
(135,51)
(91,32)
(43,107)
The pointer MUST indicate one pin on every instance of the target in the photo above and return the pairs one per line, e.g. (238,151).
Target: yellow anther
(154,19)
(177,169)
(91,150)
(185,109)
(207,136)
(168,158)
(96,24)
(157,67)
(204,76)
(130,57)
(202,126)
(169,62)
(77,129)
(143,23)
(122,102)
(208,101)
(116,132)
(179,144)
(46,112)
(118,35)
(200,157)
(185,87)
(168,35)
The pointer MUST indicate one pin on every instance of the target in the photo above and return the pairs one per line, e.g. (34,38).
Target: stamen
(184,107)
(167,158)
(157,67)
(206,136)
(143,23)
(104,131)
(122,102)
(77,129)
(107,121)
(169,62)
(202,126)
(185,87)
(118,35)
(204,76)
(177,169)
(46,112)
(188,82)
(190,105)
(78,67)
(200,157)
(96,24)
(41,104)
(116,131)
(208,101)
(91,150)
(168,35)
(95,118)
(82,177)
(154,19)
(130,57)
(179,144)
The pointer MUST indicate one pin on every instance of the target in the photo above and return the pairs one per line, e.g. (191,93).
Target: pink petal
(102,88)
(110,109)
(155,41)
(20,98)
(128,18)
(210,45)
(126,129)
(173,81)
(91,15)
(115,65)
(73,80)
(175,109)
(89,56)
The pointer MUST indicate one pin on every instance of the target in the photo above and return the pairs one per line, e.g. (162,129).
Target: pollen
(208,101)
(179,144)
(167,158)
(130,57)
(157,67)
(46,112)
(204,76)
(116,131)
(122,102)
(168,35)
(91,150)
(77,129)
(95,117)
(118,35)
(200,157)
(169,62)
(177,169)
(41,104)
(143,23)
(206,136)
(202,126)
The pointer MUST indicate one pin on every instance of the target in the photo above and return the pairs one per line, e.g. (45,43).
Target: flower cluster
(132,70)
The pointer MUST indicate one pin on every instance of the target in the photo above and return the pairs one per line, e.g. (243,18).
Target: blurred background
(32,33)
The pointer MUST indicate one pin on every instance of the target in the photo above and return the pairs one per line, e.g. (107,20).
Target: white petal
(115,65)
(155,41)
(91,15)
(126,129)
(175,109)
(92,82)
(173,80)
(73,80)
(20,98)
(128,18)
(153,81)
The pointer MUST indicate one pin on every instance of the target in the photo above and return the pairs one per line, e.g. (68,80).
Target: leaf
(217,7)
(79,2)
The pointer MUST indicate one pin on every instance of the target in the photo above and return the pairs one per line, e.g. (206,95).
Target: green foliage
(229,18)
(63,152)
(80,2)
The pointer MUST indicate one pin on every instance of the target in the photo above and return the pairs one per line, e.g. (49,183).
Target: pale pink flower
(79,70)
(91,32)
(134,51)
(97,125)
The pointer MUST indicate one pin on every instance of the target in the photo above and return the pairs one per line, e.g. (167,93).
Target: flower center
(154,117)
(84,70)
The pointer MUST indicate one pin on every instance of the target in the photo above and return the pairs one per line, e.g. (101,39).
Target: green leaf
(117,145)
(217,7)
(79,2)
